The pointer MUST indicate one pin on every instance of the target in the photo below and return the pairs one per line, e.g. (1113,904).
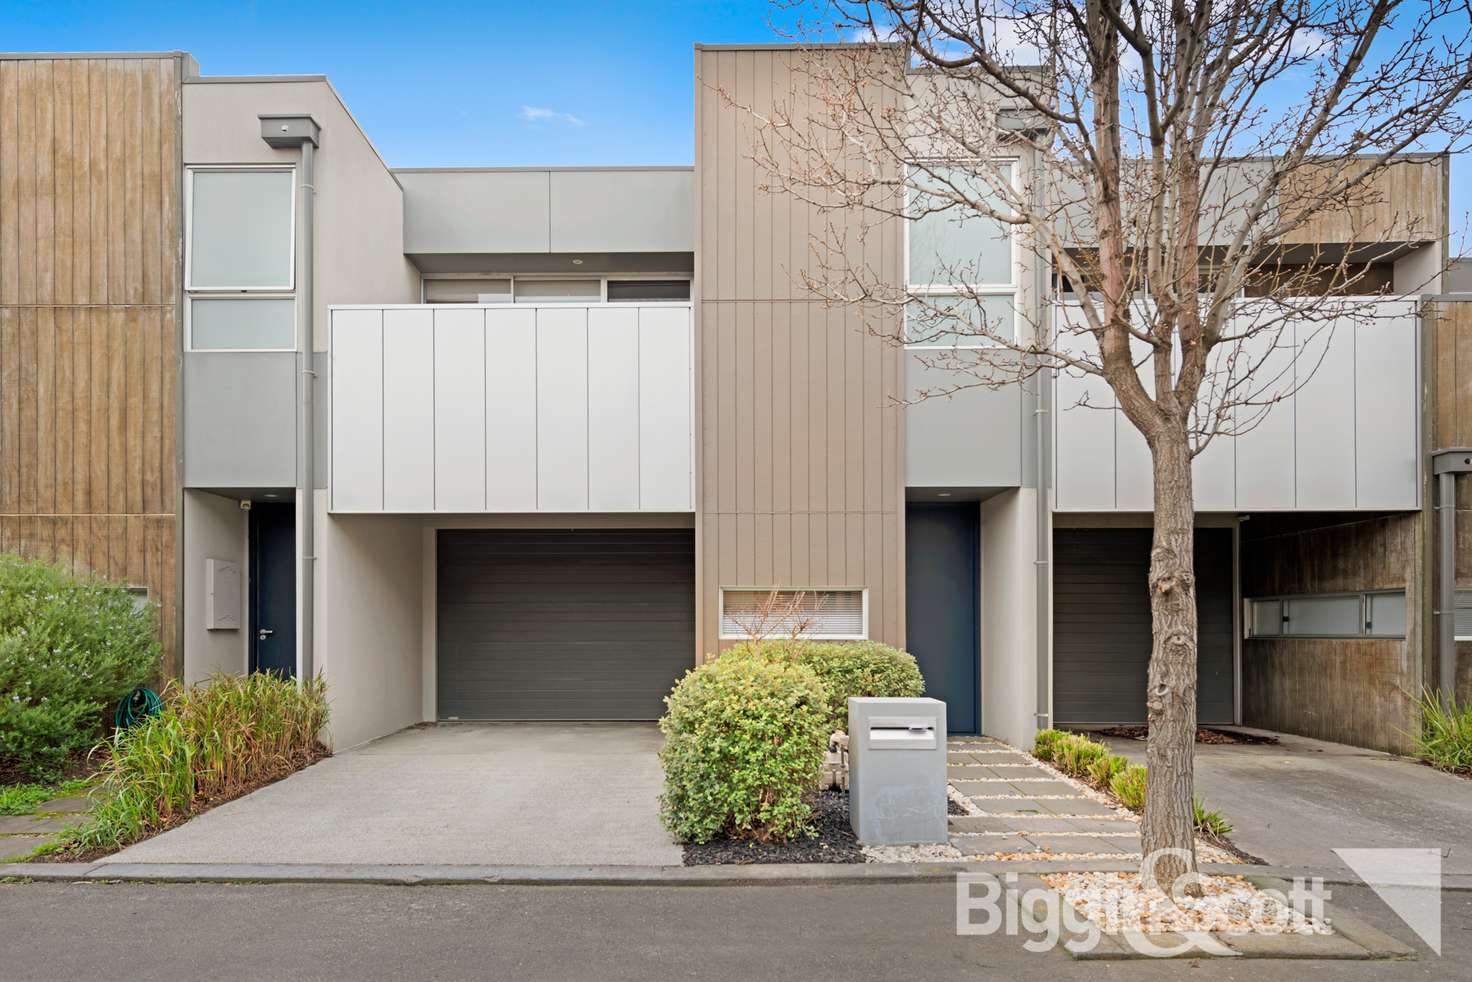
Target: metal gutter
(1043,560)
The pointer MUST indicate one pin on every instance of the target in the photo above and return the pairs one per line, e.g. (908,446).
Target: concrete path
(1294,803)
(496,793)
(1024,808)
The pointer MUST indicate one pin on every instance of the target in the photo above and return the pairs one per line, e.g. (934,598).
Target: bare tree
(1173,165)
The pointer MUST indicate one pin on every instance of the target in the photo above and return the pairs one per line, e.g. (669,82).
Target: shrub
(1103,769)
(211,742)
(1078,754)
(1129,786)
(1045,744)
(846,668)
(1209,819)
(70,647)
(744,743)
(1445,740)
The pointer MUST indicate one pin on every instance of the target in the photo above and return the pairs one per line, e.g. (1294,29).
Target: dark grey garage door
(564,624)
(1101,624)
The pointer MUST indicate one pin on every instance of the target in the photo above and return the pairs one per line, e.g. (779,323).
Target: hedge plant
(70,647)
(846,668)
(744,744)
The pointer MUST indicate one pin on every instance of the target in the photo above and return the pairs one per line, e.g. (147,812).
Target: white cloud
(1310,43)
(541,114)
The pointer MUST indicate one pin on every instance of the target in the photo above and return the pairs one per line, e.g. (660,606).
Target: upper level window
(629,291)
(241,233)
(960,264)
(493,290)
(559,291)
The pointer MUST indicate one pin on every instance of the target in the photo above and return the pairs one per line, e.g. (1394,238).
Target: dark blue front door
(942,606)
(273,588)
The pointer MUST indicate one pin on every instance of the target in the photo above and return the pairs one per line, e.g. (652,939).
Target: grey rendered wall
(214,528)
(800,469)
(240,419)
(548,210)
(976,438)
(1008,624)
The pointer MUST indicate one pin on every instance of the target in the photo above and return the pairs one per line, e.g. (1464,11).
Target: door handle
(264,633)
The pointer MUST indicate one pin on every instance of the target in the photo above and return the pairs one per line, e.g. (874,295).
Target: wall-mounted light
(577,262)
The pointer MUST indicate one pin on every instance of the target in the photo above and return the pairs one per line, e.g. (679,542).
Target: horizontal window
(241,234)
(832,614)
(1463,615)
(559,291)
(242,323)
(1372,614)
(625,291)
(938,320)
(496,290)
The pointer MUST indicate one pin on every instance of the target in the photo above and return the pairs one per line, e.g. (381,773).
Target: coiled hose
(136,706)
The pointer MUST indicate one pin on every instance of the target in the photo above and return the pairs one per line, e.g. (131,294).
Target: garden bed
(834,842)
(1204,734)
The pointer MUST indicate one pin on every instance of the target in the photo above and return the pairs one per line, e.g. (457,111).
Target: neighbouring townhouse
(528,443)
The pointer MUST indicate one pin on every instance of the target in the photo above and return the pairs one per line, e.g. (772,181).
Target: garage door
(564,624)
(1101,624)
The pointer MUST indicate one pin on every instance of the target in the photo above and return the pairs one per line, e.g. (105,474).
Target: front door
(273,588)
(942,601)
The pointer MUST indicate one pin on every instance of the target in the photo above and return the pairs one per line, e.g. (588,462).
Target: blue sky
(461,84)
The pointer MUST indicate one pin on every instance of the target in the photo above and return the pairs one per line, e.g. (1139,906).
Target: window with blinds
(823,614)
(1463,615)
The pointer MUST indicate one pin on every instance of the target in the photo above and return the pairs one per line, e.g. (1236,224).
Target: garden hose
(136,706)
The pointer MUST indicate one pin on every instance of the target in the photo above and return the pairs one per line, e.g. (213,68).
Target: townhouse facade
(528,443)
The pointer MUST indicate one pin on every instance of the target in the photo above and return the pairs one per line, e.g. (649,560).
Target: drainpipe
(1446,465)
(1042,564)
(284,132)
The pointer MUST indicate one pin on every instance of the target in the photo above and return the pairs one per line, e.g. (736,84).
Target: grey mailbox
(897,770)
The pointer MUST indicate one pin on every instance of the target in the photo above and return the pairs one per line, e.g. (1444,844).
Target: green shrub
(846,668)
(212,741)
(1103,769)
(70,647)
(1129,786)
(744,744)
(1045,744)
(1445,740)
(1209,820)
(1076,755)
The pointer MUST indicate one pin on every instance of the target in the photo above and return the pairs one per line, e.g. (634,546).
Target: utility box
(897,770)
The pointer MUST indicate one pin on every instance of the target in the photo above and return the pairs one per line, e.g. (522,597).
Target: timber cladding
(799,476)
(1359,691)
(90,285)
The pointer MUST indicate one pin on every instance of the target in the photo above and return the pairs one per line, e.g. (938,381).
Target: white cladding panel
(1339,431)
(502,408)
(357,411)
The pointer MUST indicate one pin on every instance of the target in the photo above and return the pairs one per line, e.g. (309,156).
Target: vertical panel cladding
(1324,416)
(459,410)
(357,410)
(408,410)
(665,423)
(1387,410)
(562,409)
(613,409)
(800,476)
(511,410)
(89,178)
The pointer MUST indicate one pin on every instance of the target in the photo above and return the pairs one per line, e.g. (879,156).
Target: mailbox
(897,771)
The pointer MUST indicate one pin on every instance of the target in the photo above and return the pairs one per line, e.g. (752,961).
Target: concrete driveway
(495,794)
(1295,802)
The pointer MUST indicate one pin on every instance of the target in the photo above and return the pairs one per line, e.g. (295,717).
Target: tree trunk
(1171,698)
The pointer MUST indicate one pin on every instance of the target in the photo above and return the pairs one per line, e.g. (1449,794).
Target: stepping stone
(72,805)
(978,772)
(18,847)
(1040,824)
(1084,843)
(1288,945)
(32,824)
(1046,786)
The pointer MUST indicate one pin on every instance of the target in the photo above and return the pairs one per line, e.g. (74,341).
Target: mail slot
(897,770)
(889,733)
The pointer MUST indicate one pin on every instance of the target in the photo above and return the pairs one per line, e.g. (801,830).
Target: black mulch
(834,843)
(952,808)
(1205,734)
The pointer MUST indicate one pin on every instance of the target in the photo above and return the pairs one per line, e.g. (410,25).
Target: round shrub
(70,647)
(744,744)
(846,668)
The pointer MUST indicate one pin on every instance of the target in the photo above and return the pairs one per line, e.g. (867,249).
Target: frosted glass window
(947,321)
(240,230)
(952,244)
(559,291)
(1334,616)
(232,322)
(1462,615)
(1267,618)
(1385,615)
(832,614)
